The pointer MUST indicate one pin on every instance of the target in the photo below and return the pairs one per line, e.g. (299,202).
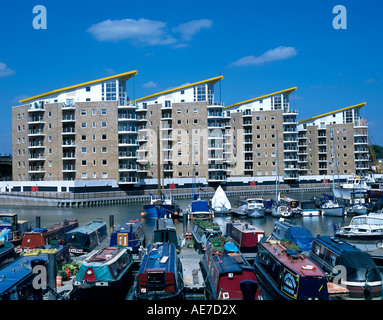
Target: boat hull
(255,213)
(157,211)
(309,213)
(333,212)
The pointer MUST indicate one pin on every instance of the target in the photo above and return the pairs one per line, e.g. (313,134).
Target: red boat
(244,235)
(44,236)
(227,273)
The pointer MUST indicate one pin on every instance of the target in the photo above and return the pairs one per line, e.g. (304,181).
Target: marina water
(318,225)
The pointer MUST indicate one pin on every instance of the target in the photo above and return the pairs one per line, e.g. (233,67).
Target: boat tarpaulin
(302,237)
(100,270)
(220,200)
(230,247)
(200,206)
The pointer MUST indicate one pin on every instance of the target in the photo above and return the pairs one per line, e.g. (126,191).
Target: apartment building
(349,146)
(73,133)
(187,126)
(264,137)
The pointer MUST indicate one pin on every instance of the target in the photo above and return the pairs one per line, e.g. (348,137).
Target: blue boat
(106,275)
(160,274)
(130,235)
(165,231)
(87,237)
(17,276)
(11,228)
(301,236)
(7,253)
(161,208)
(199,209)
(361,276)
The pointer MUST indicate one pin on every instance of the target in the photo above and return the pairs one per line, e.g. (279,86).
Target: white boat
(331,208)
(356,183)
(363,228)
(309,209)
(255,208)
(281,210)
(220,203)
(357,209)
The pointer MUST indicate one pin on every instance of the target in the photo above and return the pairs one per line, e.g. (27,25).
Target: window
(83,150)
(83,137)
(83,124)
(105,175)
(103,137)
(87,89)
(104,162)
(104,149)
(84,175)
(103,124)
(83,112)
(83,162)
(103,111)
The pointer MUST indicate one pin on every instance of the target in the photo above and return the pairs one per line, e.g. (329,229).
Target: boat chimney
(38,222)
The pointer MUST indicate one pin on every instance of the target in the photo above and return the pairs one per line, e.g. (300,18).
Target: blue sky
(258,46)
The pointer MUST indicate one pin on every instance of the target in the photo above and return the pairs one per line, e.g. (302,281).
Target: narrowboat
(165,206)
(165,231)
(244,235)
(87,237)
(361,276)
(289,275)
(199,209)
(203,231)
(54,234)
(160,274)
(301,236)
(130,235)
(17,276)
(11,228)
(255,208)
(7,253)
(105,275)
(224,271)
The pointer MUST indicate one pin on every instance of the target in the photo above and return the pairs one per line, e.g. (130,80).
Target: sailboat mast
(277,176)
(158,162)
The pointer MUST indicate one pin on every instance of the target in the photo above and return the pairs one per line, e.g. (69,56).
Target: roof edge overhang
(125,76)
(211,80)
(288,91)
(356,106)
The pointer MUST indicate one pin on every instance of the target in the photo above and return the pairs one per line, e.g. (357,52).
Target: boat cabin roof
(165,224)
(88,228)
(159,258)
(228,262)
(292,259)
(336,244)
(246,227)
(200,206)
(105,255)
(130,226)
(372,218)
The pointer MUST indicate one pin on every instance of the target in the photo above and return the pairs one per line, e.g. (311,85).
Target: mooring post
(38,222)
(52,273)
(111,223)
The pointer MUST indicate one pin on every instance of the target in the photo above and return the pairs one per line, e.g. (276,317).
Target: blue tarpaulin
(200,206)
(230,247)
(302,237)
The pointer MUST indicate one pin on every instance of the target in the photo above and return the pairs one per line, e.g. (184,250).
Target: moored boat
(54,234)
(165,231)
(361,276)
(309,209)
(106,275)
(161,207)
(244,235)
(255,208)
(130,235)
(332,208)
(7,253)
(224,273)
(366,228)
(203,231)
(300,236)
(11,228)
(199,209)
(220,204)
(160,274)
(281,210)
(87,237)
(17,277)
(289,275)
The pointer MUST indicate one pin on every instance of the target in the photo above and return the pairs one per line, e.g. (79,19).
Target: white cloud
(140,31)
(149,84)
(189,29)
(280,53)
(5,71)
(148,32)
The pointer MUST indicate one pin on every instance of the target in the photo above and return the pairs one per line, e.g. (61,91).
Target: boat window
(6,220)
(317,249)
(156,281)
(333,259)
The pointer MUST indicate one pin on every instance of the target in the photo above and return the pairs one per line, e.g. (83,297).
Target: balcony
(68,118)
(37,119)
(216,178)
(36,169)
(69,156)
(127,154)
(127,167)
(128,142)
(69,168)
(36,132)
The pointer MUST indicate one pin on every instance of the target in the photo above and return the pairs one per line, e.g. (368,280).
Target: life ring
(308,267)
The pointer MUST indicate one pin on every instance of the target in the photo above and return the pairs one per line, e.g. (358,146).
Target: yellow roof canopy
(356,106)
(211,80)
(288,91)
(125,76)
